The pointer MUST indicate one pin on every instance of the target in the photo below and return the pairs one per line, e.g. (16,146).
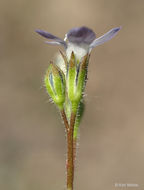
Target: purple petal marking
(81,35)
(55,39)
(107,36)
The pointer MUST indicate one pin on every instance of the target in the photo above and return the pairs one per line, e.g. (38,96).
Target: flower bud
(76,78)
(55,85)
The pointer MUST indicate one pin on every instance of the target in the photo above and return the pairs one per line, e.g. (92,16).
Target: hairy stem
(74,148)
(70,153)
(65,120)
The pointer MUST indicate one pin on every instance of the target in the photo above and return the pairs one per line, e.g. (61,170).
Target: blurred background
(32,138)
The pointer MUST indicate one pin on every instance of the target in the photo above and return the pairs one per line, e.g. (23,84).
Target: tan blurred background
(32,139)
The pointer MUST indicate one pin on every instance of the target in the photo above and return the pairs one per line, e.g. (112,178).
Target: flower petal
(55,40)
(53,43)
(107,36)
(81,35)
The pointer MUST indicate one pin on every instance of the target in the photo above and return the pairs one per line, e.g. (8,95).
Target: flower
(66,79)
(79,40)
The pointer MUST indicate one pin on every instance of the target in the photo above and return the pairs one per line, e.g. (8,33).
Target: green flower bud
(55,84)
(76,77)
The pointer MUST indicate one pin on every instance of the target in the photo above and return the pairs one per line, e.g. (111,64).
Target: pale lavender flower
(80,40)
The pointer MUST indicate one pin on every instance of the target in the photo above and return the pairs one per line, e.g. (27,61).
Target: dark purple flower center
(81,35)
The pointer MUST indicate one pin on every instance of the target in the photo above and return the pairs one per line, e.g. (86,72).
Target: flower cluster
(65,80)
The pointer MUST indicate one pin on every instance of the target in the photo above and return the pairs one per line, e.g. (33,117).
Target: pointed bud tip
(84,62)
(64,57)
(72,56)
(72,60)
